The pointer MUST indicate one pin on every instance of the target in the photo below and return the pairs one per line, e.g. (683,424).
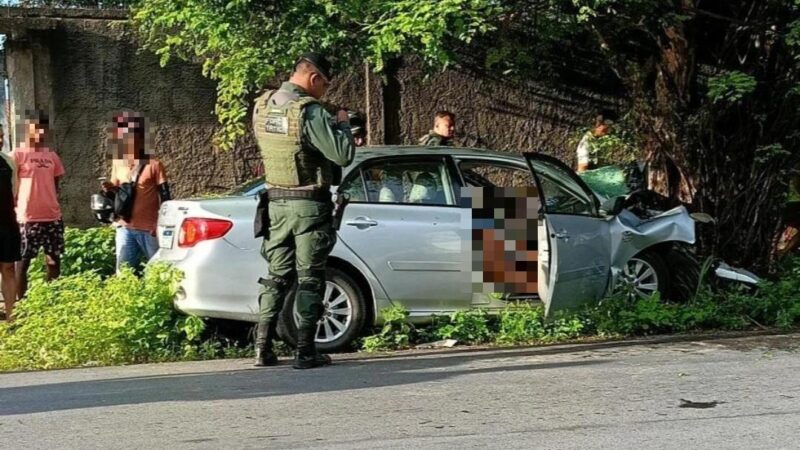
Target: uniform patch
(277,125)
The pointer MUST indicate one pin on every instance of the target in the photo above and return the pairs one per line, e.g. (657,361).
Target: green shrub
(620,314)
(395,334)
(84,319)
(470,326)
(564,326)
(521,324)
(89,250)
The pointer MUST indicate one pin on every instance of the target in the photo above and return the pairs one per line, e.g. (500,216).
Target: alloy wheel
(337,315)
(640,277)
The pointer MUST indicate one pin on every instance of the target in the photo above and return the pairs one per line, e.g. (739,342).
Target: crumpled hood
(630,234)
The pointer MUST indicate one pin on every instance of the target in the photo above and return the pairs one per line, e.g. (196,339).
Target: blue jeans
(134,247)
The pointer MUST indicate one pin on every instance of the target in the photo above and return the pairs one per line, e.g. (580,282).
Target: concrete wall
(84,68)
(99,73)
(495,113)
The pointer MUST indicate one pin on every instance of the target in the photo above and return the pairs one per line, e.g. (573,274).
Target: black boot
(265,335)
(307,356)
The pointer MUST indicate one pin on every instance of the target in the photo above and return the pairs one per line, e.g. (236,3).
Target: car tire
(338,282)
(642,271)
(684,273)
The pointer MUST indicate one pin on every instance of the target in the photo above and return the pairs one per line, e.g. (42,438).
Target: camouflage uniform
(433,139)
(303,151)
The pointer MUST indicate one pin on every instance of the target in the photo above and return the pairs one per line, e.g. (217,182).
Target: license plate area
(166,237)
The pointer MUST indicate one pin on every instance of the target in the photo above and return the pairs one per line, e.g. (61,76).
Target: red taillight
(194,230)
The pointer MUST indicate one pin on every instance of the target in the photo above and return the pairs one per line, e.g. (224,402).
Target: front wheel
(342,319)
(644,275)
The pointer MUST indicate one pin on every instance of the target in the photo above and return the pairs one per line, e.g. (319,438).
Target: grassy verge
(92,317)
(776,304)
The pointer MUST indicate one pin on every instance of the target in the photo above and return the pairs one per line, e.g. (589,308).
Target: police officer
(303,148)
(444,128)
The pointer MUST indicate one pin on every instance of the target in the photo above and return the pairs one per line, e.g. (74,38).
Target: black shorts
(48,236)
(10,244)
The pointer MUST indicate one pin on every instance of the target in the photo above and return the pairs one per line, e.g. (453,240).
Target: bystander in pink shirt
(37,199)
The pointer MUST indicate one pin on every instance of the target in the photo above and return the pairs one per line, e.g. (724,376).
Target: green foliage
(470,326)
(730,86)
(619,146)
(84,319)
(76,3)
(521,324)
(243,44)
(624,315)
(86,250)
(775,304)
(395,334)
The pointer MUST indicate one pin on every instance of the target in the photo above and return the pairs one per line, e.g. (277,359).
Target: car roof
(371,152)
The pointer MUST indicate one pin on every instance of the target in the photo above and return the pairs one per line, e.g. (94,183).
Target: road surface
(736,393)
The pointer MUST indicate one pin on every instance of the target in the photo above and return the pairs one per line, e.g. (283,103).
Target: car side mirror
(612,206)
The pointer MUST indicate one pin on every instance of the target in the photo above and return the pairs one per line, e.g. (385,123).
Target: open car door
(574,241)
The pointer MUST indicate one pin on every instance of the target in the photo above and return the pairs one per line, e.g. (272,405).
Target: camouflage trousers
(301,236)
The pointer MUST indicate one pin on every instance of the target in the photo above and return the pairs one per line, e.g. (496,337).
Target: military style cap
(318,61)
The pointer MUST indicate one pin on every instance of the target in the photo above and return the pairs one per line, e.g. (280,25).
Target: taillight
(194,230)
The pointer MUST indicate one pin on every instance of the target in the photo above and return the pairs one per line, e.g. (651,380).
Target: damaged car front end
(626,243)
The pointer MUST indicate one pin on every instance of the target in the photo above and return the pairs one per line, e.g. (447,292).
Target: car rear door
(404,224)
(576,239)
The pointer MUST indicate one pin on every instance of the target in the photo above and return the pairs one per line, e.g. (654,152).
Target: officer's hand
(342,116)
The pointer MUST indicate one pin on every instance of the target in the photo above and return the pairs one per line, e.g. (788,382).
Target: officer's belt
(320,195)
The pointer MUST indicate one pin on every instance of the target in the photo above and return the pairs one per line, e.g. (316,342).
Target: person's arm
(9,158)
(163,185)
(584,151)
(15,174)
(58,173)
(163,192)
(334,141)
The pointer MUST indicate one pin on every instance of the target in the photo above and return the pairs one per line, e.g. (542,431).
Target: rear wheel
(342,319)
(644,275)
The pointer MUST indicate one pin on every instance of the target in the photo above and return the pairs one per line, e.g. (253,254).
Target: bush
(83,319)
(622,315)
(89,250)
(521,324)
(396,332)
(471,326)
(775,304)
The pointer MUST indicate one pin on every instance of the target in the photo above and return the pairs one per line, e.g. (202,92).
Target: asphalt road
(745,394)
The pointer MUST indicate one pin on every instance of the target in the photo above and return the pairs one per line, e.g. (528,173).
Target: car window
(492,174)
(562,193)
(408,182)
(353,186)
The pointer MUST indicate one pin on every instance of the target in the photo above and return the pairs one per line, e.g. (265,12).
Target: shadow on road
(257,383)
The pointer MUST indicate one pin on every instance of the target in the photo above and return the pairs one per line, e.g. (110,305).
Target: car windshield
(608,181)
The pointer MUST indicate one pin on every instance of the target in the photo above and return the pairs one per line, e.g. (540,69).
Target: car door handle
(560,235)
(361,222)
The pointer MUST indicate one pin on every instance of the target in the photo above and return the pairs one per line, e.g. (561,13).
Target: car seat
(392,189)
(426,190)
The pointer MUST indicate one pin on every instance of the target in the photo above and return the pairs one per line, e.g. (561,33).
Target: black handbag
(123,201)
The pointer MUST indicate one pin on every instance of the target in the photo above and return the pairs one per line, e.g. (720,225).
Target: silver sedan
(406,238)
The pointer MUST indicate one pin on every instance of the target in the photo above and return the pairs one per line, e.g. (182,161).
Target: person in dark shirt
(10,245)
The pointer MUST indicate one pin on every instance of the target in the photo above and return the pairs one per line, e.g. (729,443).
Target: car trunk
(173,213)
